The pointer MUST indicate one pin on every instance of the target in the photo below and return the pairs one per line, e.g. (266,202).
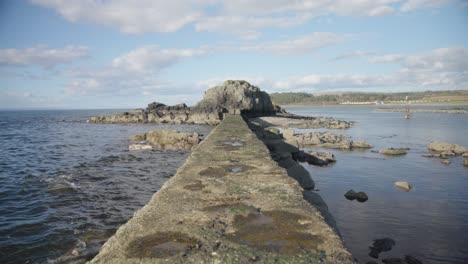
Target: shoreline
(464,103)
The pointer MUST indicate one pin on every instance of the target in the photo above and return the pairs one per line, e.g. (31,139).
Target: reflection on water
(431,221)
(66,185)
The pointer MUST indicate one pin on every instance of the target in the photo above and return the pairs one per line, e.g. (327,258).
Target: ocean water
(67,185)
(431,221)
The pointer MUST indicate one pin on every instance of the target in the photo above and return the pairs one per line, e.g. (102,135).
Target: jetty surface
(229,203)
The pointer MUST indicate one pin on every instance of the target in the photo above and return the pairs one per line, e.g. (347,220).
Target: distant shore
(451,103)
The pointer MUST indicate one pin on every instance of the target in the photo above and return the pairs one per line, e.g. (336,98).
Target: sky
(125,54)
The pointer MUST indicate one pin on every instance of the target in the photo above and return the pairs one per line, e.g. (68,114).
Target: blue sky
(125,54)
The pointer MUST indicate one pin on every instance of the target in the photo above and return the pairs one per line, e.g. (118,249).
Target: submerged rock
(381,245)
(446,161)
(412,260)
(404,186)
(465,162)
(393,261)
(440,146)
(393,151)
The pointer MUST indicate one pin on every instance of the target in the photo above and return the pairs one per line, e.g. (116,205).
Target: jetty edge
(228,203)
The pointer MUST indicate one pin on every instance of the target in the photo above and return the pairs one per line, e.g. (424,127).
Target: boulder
(352,195)
(465,155)
(172,139)
(393,151)
(361,197)
(234,97)
(465,162)
(404,186)
(137,147)
(440,146)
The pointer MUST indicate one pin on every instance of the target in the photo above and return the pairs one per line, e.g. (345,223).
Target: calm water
(431,221)
(66,185)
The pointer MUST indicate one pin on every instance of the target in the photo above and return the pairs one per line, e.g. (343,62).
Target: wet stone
(235,208)
(236,168)
(196,186)
(274,231)
(161,245)
(213,172)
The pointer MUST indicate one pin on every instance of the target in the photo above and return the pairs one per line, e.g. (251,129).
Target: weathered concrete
(229,203)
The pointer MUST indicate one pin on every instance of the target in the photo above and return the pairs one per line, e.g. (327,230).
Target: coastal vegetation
(426,97)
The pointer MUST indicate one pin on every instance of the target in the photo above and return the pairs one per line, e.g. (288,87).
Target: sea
(66,185)
(430,222)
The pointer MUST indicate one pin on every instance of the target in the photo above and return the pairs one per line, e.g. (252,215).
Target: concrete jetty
(229,203)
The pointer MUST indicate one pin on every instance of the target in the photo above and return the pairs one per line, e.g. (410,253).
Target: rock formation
(322,140)
(394,151)
(165,139)
(446,148)
(233,96)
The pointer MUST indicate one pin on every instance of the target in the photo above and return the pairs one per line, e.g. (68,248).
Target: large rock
(439,146)
(234,97)
(323,140)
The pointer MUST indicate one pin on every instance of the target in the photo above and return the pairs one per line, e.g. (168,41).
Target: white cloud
(243,18)
(42,56)
(445,68)
(153,58)
(134,72)
(354,54)
(303,44)
(411,5)
(129,16)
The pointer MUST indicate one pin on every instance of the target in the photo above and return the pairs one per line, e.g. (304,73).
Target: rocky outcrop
(155,113)
(165,139)
(394,151)
(445,148)
(293,121)
(322,140)
(233,97)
